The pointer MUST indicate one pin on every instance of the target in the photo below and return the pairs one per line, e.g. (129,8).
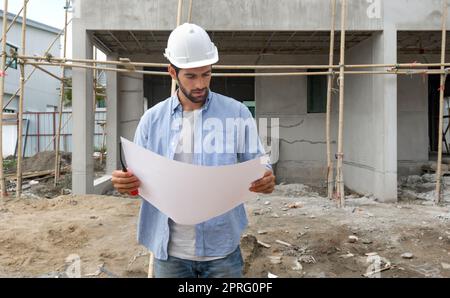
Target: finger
(131,186)
(127,191)
(263,188)
(121,174)
(125,180)
(263,181)
(266,174)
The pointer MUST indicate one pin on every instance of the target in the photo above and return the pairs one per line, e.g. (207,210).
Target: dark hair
(177,70)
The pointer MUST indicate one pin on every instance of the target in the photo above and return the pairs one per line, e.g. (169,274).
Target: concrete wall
(302,135)
(130,103)
(258,14)
(220,15)
(414,14)
(413,139)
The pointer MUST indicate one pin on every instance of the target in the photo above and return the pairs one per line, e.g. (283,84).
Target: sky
(49,12)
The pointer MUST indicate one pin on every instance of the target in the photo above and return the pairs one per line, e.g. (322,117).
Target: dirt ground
(308,237)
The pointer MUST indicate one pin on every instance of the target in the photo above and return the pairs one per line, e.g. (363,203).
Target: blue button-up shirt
(159,131)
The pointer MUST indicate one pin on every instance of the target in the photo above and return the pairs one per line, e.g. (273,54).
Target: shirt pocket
(218,232)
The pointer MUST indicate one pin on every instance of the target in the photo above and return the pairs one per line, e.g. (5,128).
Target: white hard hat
(189,46)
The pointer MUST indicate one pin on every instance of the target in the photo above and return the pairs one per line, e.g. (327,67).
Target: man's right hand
(125,182)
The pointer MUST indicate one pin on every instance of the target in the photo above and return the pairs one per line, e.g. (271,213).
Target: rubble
(275,260)
(283,243)
(422,188)
(353,239)
(407,255)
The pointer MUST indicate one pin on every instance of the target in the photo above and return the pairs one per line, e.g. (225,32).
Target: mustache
(199,90)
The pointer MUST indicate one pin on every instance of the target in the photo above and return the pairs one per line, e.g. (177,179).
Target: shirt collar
(176,104)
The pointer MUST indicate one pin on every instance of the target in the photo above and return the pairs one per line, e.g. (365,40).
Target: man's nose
(200,84)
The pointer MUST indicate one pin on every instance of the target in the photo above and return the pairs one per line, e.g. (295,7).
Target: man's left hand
(265,185)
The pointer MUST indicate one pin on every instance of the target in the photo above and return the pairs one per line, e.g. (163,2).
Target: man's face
(194,82)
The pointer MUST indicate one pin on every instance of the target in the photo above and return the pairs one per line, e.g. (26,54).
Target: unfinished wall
(130,103)
(359,141)
(412,124)
(302,135)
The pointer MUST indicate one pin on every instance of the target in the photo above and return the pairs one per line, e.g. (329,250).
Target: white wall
(41,89)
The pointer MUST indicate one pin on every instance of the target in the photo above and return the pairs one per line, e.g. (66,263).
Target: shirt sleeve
(142,132)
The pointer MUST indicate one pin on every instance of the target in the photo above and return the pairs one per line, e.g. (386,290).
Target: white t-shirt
(182,237)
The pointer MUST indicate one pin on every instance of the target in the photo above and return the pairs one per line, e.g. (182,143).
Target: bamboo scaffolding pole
(441,104)
(21,99)
(14,20)
(49,73)
(54,137)
(180,6)
(34,69)
(61,102)
(2,93)
(340,194)
(330,167)
(190,11)
(241,67)
(94,75)
(261,74)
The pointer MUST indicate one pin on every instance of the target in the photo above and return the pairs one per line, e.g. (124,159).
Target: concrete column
(385,118)
(130,103)
(83,116)
(112,119)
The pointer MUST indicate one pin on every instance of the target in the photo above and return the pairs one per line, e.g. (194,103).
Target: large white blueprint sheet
(191,194)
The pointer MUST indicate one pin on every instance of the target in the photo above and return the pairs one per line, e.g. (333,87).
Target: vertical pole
(340,155)
(95,74)
(329,99)
(190,11)
(61,102)
(172,91)
(441,104)
(2,93)
(180,6)
(21,98)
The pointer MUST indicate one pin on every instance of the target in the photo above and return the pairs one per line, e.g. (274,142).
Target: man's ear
(172,72)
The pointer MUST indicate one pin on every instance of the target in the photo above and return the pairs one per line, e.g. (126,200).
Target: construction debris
(264,244)
(283,243)
(353,239)
(275,260)
(407,255)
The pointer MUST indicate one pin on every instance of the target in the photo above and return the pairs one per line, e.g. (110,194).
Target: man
(172,129)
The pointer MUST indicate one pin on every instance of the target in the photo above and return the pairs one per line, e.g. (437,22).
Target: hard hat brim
(194,64)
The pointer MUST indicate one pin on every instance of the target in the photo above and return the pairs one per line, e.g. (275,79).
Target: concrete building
(389,120)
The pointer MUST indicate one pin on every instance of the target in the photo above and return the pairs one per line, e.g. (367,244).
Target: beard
(191,95)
